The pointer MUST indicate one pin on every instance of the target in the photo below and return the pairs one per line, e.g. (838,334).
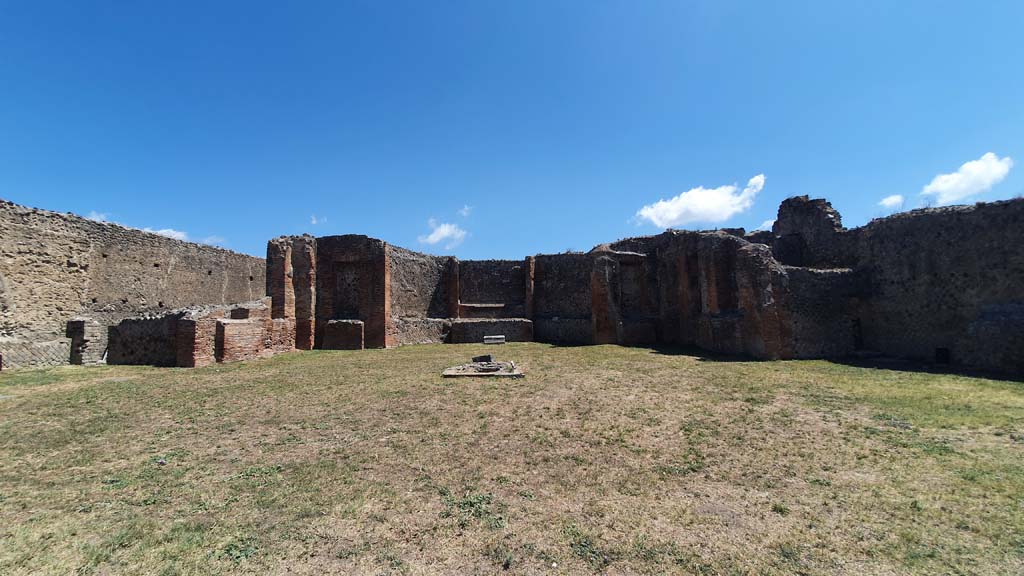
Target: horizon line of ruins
(940,285)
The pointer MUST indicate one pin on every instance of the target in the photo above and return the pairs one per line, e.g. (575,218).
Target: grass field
(603,459)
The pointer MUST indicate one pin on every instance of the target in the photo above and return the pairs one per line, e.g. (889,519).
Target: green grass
(603,459)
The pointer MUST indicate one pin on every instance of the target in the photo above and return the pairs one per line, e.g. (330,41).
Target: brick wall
(55,267)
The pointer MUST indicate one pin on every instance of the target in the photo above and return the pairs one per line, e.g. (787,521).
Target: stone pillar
(529,268)
(452,279)
(605,301)
(386,334)
(88,341)
(279,278)
(195,342)
(303,259)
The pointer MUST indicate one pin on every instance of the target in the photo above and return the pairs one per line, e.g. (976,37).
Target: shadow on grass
(906,365)
(875,362)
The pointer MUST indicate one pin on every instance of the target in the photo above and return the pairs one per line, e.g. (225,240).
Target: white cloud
(450,234)
(168,232)
(702,204)
(313,220)
(893,202)
(766,225)
(972,178)
(465,210)
(213,240)
(97,216)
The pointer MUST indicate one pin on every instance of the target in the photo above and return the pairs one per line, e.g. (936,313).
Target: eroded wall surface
(938,284)
(55,267)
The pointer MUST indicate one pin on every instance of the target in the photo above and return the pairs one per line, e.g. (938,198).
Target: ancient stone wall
(492,283)
(473,330)
(562,298)
(937,284)
(942,285)
(148,341)
(55,267)
(419,287)
(723,294)
(353,282)
(201,336)
(809,232)
(946,284)
(823,306)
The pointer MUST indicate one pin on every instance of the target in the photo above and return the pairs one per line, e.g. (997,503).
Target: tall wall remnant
(944,284)
(58,267)
(941,284)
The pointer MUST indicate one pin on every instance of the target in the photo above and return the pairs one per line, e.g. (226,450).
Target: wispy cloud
(314,220)
(465,211)
(972,178)
(212,240)
(450,234)
(168,232)
(894,202)
(766,225)
(702,204)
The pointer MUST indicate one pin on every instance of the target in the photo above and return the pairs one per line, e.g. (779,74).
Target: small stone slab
(484,370)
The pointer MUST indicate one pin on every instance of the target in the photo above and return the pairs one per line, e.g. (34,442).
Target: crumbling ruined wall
(492,288)
(823,307)
(420,298)
(562,298)
(946,284)
(809,232)
(291,284)
(200,336)
(353,282)
(723,294)
(56,267)
(936,284)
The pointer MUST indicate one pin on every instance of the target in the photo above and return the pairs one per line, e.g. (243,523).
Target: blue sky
(501,129)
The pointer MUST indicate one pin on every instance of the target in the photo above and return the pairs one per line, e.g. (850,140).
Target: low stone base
(472,330)
(484,370)
(343,335)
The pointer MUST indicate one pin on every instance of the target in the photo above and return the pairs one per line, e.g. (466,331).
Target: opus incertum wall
(55,267)
(943,285)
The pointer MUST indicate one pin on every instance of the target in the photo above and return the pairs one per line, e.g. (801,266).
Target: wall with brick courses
(145,341)
(88,341)
(493,282)
(196,337)
(353,283)
(54,267)
(291,285)
(239,340)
